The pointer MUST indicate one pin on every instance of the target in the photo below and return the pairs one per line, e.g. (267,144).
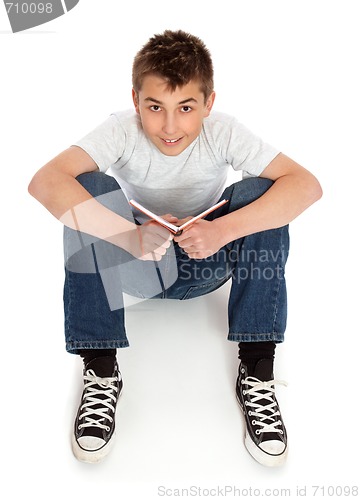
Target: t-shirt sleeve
(242,149)
(105,144)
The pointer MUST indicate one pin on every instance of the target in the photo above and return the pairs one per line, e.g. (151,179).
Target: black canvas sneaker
(265,436)
(95,420)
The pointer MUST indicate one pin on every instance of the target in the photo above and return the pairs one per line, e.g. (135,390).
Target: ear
(135,98)
(209,103)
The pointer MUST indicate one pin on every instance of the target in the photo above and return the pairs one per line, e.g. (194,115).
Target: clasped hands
(200,240)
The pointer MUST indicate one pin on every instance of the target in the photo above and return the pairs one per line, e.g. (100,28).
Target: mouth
(171,142)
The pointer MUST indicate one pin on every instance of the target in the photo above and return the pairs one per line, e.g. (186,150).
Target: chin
(172,150)
(171,153)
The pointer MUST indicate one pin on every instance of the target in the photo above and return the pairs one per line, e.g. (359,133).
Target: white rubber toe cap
(273,447)
(91,443)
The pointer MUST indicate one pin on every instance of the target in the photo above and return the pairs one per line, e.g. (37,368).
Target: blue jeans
(97,273)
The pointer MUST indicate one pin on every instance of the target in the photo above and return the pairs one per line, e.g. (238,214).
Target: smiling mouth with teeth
(171,141)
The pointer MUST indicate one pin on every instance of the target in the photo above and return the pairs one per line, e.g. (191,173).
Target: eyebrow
(156,101)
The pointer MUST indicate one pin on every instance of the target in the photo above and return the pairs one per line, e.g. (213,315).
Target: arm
(293,191)
(56,187)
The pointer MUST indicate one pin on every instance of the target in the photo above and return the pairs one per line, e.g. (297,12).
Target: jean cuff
(257,337)
(75,347)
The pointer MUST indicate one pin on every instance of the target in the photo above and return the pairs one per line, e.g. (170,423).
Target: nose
(169,125)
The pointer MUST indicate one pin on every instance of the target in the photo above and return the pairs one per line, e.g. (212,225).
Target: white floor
(178,422)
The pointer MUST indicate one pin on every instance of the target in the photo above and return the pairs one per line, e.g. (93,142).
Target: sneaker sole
(257,453)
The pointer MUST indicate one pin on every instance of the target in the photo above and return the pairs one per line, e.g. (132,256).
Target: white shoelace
(264,413)
(107,401)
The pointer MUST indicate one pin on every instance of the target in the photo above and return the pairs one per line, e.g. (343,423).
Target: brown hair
(178,58)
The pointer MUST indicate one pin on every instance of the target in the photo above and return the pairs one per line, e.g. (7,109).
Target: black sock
(90,354)
(251,352)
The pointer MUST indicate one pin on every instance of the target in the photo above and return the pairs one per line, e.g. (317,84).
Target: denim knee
(107,191)
(97,183)
(249,190)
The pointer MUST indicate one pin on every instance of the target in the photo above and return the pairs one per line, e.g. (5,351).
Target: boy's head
(173,89)
(176,57)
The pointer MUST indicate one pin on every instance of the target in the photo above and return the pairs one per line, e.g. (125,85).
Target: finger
(185,235)
(163,232)
(170,218)
(157,235)
(159,251)
(188,242)
(151,256)
(155,241)
(155,227)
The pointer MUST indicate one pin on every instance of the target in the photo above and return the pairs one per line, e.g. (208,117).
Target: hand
(151,240)
(202,239)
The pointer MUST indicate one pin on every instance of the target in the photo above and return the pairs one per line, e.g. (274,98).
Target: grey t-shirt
(182,185)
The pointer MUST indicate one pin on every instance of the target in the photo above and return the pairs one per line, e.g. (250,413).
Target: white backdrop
(289,70)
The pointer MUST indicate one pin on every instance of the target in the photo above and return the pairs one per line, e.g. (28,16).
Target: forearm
(93,218)
(70,203)
(287,198)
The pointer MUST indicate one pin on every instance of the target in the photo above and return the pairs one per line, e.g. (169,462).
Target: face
(171,120)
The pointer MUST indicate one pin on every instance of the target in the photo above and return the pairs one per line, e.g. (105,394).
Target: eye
(155,107)
(186,109)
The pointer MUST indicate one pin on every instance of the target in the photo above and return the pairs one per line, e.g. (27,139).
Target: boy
(172,155)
